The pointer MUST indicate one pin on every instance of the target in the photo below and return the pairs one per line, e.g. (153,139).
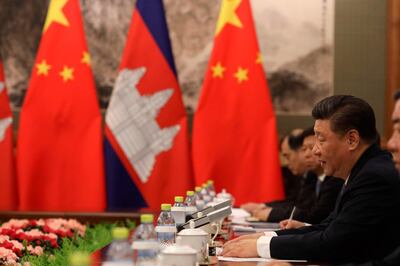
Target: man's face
(394,141)
(310,159)
(297,164)
(330,149)
(285,149)
(295,159)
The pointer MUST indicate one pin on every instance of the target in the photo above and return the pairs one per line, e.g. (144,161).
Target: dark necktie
(318,187)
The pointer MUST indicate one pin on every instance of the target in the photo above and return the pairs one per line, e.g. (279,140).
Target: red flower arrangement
(34,237)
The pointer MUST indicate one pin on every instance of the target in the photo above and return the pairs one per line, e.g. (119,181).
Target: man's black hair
(346,112)
(295,141)
(308,132)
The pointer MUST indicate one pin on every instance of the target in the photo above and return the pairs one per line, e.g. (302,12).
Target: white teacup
(196,239)
(178,255)
(223,196)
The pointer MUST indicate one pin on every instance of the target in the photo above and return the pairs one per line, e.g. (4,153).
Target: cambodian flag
(8,180)
(146,146)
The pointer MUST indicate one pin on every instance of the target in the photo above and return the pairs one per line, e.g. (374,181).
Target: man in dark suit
(363,225)
(298,166)
(325,192)
(393,259)
(314,205)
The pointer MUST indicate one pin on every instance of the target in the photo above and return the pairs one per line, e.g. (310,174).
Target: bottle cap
(197,189)
(79,259)
(165,207)
(146,218)
(189,193)
(178,199)
(120,233)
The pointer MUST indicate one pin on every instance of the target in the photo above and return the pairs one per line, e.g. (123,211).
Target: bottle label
(179,214)
(165,229)
(191,209)
(207,198)
(200,204)
(182,209)
(145,245)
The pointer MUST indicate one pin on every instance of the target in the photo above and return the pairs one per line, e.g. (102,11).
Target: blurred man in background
(291,151)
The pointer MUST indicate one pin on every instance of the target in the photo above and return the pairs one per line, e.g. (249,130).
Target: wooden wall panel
(393,61)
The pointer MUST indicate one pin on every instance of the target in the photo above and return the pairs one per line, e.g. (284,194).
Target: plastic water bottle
(145,246)
(205,195)
(178,211)
(119,252)
(166,228)
(190,203)
(211,188)
(199,199)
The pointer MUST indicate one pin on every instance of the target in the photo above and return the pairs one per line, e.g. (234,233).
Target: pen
(291,214)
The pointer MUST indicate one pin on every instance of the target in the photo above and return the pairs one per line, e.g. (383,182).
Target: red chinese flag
(8,192)
(59,155)
(234,136)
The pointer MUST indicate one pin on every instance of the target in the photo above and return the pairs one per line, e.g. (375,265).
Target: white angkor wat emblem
(4,122)
(132,119)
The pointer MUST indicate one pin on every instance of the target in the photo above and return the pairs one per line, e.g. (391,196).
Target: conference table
(111,217)
(225,263)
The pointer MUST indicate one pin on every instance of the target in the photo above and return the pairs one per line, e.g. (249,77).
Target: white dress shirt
(263,243)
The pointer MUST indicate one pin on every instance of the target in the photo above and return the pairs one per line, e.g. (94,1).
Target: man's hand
(242,248)
(251,207)
(291,224)
(249,236)
(263,214)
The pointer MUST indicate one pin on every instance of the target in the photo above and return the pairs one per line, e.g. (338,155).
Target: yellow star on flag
(241,74)
(55,14)
(218,70)
(228,15)
(85,58)
(259,58)
(67,73)
(43,68)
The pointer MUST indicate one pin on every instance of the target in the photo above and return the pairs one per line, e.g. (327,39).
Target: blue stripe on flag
(152,12)
(122,193)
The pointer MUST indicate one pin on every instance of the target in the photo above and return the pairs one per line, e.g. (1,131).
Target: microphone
(209,209)
(214,216)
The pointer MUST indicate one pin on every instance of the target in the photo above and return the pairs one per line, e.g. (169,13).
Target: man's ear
(353,139)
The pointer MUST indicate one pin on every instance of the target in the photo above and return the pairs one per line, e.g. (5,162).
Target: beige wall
(360,57)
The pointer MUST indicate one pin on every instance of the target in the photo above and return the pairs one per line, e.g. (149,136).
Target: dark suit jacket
(305,200)
(364,224)
(293,185)
(392,260)
(307,187)
(323,204)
